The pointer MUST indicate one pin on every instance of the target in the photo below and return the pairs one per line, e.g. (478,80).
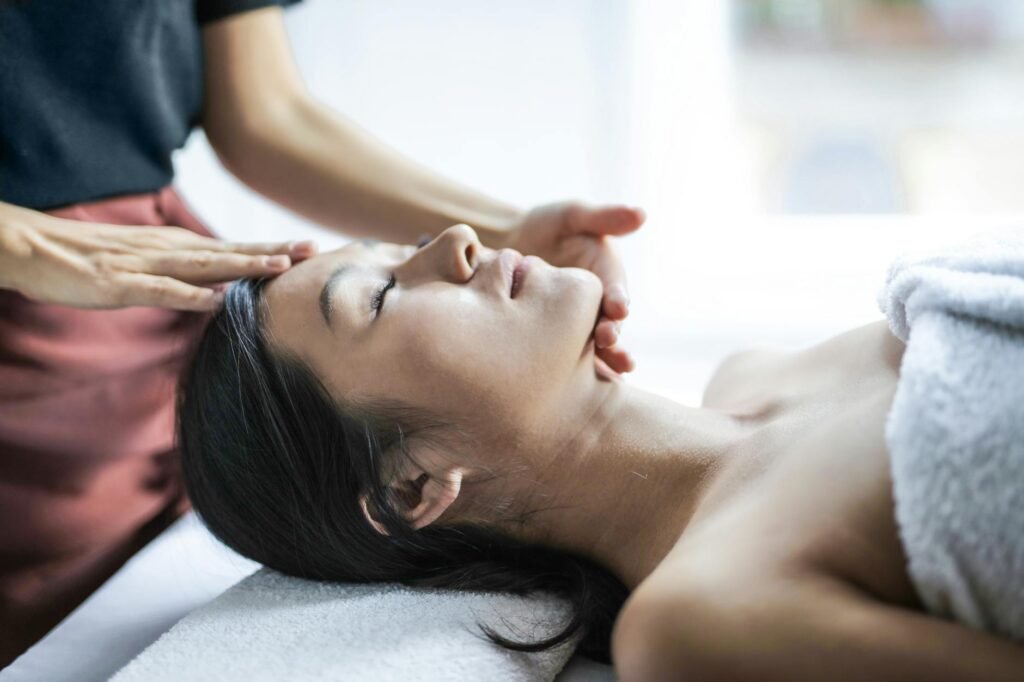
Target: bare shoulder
(752,376)
(738,372)
(705,573)
(684,612)
(795,626)
(858,346)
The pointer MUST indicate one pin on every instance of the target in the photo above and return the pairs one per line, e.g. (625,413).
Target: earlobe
(436,494)
(369,517)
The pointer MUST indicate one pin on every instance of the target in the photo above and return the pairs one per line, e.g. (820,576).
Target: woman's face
(439,327)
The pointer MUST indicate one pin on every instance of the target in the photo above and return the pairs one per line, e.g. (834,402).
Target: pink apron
(88,467)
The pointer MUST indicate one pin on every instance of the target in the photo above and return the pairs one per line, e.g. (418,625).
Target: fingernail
(305,245)
(277,262)
(619,292)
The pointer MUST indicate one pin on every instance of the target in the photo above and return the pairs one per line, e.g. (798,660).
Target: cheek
(578,295)
(432,349)
(567,313)
(472,359)
(461,359)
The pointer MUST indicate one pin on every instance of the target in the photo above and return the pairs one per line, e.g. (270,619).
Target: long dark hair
(275,468)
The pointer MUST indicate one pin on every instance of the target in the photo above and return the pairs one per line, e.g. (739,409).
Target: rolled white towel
(955,431)
(272,627)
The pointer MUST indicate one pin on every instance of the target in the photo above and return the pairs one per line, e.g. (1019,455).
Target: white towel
(271,627)
(955,431)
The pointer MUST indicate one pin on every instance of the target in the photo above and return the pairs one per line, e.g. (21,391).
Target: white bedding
(182,569)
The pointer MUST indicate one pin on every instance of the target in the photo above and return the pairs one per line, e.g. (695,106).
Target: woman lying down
(432,416)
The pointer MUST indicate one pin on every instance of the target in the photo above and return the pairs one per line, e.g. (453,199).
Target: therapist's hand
(96,265)
(571,234)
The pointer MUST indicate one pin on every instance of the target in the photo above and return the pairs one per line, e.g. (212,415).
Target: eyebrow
(326,302)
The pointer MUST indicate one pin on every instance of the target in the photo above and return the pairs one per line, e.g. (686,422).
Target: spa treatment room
(450,341)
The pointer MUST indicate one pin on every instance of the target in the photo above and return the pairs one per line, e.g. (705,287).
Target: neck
(624,488)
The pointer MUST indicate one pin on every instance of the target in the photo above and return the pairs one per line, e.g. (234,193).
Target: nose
(452,255)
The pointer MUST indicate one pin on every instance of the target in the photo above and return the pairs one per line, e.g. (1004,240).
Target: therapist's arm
(274,136)
(269,132)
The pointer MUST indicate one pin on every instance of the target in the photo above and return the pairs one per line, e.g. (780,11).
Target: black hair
(275,468)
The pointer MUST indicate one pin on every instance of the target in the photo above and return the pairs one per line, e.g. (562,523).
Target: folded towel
(955,431)
(272,627)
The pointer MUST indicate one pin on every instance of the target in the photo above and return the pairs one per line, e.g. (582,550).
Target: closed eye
(377,302)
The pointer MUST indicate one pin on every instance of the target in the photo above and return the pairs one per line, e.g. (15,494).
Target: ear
(424,496)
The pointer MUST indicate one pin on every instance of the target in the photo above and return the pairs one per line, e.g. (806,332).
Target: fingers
(614,221)
(608,268)
(615,303)
(208,266)
(164,238)
(606,337)
(617,358)
(607,221)
(297,251)
(606,332)
(195,258)
(164,292)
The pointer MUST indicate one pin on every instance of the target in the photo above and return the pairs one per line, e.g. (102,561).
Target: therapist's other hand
(571,234)
(96,265)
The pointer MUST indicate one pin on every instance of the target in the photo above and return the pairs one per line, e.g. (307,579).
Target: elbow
(244,134)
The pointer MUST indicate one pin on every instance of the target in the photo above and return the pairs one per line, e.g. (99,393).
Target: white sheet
(181,570)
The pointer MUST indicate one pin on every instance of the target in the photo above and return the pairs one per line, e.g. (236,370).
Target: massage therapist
(106,277)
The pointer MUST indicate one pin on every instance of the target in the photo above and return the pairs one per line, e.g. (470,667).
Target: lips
(517,277)
(510,262)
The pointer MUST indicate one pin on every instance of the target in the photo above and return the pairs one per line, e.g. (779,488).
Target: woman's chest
(813,490)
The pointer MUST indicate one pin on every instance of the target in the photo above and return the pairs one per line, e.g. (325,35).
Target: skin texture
(761,522)
(536,422)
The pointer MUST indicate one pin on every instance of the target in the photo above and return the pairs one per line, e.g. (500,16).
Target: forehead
(361,253)
(293,297)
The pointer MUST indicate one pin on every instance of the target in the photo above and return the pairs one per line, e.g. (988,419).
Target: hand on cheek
(573,234)
(615,359)
(607,349)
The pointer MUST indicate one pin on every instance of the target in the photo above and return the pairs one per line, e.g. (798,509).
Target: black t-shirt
(96,94)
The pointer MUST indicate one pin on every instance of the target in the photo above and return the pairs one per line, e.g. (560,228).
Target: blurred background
(785,150)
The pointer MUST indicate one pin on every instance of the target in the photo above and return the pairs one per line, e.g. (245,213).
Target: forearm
(325,167)
(275,137)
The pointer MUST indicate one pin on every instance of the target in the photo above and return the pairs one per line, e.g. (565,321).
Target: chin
(578,304)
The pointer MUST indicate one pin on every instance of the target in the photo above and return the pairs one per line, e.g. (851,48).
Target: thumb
(613,221)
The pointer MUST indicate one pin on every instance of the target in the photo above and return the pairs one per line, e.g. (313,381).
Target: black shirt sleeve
(212,10)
